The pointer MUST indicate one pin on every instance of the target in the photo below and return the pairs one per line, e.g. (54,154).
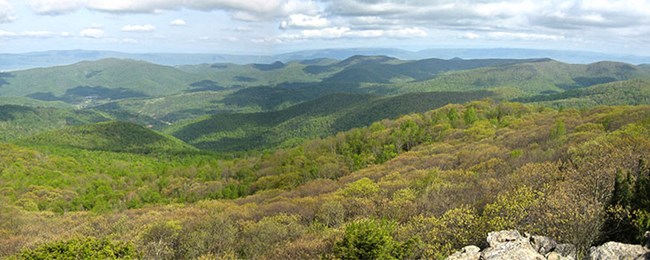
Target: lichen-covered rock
(566,250)
(542,244)
(616,250)
(509,244)
(496,238)
(557,256)
(467,253)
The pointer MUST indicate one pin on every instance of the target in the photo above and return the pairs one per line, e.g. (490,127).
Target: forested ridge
(420,186)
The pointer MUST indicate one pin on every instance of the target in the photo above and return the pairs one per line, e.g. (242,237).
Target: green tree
(618,223)
(558,130)
(85,248)
(331,213)
(362,188)
(162,240)
(372,239)
(641,198)
(453,116)
(470,116)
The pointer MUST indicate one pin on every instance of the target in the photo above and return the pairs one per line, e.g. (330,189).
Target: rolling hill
(103,79)
(627,92)
(324,116)
(19,61)
(525,79)
(22,121)
(112,136)
(266,87)
(383,69)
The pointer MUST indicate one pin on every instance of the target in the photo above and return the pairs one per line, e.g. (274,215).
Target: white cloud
(55,7)
(496,14)
(347,32)
(33,34)
(6,33)
(92,32)
(367,33)
(389,33)
(257,9)
(304,21)
(246,16)
(332,32)
(38,34)
(6,12)
(129,41)
(470,36)
(139,28)
(406,33)
(564,21)
(178,22)
(523,36)
(243,29)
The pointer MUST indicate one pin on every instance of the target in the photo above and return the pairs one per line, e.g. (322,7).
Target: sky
(277,26)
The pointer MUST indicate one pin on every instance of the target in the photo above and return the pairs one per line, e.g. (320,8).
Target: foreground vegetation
(420,186)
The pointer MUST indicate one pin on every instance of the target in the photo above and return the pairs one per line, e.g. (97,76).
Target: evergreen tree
(641,198)
(618,225)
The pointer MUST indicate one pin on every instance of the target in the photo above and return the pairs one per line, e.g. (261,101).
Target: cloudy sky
(275,26)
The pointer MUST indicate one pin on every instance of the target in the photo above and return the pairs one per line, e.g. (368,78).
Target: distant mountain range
(227,107)
(18,61)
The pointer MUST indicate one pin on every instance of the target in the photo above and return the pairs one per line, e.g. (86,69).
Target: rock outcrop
(510,244)
(616,250)
(467,253)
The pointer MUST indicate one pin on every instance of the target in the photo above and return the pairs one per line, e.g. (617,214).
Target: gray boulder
(497,238)
(467,253)
(616,250)
(556,256)
(566,250)
(542,244)
(509,244)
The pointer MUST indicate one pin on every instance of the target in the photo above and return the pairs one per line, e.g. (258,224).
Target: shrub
(86,248)
(372,239)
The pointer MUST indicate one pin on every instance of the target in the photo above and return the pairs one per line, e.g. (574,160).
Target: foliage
(372,239)
(629,208)
(111,136)
(22,121)
(313,119)
(87,248)
(437,181)
(626,92)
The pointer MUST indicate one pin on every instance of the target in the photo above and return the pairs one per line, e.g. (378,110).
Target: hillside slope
(108,78)
(627,92)
(525,79)
(313,119)
(427,184)
(22,121)
(110,136)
